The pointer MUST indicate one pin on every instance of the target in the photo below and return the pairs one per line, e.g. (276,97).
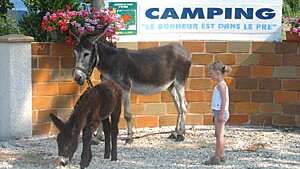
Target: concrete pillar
(15,87)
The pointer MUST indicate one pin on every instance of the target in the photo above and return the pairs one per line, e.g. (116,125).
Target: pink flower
(45,18)
(61,14)
(90,28)
(83,20)
(63,28)
(81,30)
(71,13)
(77,25)
(97,14)
(44,24)
(49,29)
(84,13)
(62,23)
(295,30)
(99,26)
(73,23)
(78,13)
(53,17)
(94,22)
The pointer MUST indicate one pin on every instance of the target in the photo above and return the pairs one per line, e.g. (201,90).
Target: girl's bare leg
(219,128)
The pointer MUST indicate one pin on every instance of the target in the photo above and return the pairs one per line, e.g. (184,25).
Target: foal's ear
(95,36)
(57,122)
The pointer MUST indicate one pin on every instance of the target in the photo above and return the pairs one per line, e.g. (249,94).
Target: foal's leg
(128,115)
(115,117)
(86,155)
(106,129)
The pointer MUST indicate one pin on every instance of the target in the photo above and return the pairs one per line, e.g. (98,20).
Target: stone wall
(264,85)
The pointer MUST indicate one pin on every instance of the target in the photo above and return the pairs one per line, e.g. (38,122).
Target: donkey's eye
(86,55)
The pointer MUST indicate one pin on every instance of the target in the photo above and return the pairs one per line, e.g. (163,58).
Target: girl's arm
(222,89)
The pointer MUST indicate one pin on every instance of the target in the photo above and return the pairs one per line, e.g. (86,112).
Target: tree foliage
(291,8)
(5,5)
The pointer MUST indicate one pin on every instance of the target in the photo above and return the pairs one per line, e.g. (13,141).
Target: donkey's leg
(180,127)
(99,136)
(86,155)
(106,129)
(175,97)
(128,116)
(115,117)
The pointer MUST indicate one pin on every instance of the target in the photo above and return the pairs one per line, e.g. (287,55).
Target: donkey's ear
(57,122)
(74,34)
(95,36)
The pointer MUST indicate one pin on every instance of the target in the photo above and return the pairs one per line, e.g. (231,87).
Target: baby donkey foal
(95,104)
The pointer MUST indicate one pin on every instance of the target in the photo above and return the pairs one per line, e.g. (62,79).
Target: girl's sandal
(213,161)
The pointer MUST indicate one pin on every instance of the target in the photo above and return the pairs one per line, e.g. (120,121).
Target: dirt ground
(246,148)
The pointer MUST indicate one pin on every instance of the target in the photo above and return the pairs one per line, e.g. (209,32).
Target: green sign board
(128,12)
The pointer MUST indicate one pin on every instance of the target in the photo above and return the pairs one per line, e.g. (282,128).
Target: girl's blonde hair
(219,66)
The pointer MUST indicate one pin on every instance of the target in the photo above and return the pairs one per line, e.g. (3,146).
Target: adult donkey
(145,72)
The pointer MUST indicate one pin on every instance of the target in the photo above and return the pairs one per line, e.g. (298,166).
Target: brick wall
(264,85)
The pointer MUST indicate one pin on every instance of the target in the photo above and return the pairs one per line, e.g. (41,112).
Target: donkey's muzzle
(79,77)
(63,161)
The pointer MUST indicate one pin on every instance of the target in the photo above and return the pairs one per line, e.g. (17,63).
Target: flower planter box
(292,37)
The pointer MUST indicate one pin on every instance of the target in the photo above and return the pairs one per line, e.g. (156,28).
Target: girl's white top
(216,98)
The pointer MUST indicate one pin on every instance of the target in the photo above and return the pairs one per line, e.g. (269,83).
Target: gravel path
(247,148)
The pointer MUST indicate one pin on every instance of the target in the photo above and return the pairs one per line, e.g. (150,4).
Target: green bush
(5,5)
(291,8)
(8,25)
(30,24)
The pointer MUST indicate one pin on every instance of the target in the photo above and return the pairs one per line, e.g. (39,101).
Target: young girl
(219,105)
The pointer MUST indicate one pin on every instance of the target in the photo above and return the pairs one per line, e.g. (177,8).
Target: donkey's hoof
(128,140)
(179,138)
(85,161)
(114,159)
(172,136)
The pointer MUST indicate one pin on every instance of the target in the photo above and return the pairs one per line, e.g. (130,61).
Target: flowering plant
(295,26)
(63,23)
